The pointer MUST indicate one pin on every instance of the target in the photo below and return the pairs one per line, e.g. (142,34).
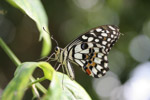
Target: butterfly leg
(58,66)
(50,57)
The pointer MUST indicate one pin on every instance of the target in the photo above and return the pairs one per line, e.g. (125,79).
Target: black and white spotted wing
(90,51)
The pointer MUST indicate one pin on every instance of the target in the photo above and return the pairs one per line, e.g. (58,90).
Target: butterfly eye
(57,49)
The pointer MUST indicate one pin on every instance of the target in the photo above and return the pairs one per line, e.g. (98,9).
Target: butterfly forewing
(90,50)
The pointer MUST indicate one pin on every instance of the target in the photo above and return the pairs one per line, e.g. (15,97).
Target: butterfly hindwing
(92,61)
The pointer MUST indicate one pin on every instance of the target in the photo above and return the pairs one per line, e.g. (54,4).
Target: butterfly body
(89,51)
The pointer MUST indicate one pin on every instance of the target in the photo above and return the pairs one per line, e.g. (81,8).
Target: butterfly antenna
(54,40)
(51,36)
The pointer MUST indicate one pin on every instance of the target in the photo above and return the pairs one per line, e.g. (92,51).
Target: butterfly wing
(90,50)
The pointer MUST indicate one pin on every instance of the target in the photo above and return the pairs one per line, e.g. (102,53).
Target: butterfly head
(57,50)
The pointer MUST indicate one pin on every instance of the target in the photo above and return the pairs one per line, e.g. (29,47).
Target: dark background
(128,60)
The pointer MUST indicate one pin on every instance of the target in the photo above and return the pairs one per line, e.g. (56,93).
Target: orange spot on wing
(87,56)
(88,65)
(94,55)
(93,64)
(104,38)
(88,71)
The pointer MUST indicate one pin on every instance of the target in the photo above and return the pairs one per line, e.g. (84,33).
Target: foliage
(61,86)
(32,9)
(68,90)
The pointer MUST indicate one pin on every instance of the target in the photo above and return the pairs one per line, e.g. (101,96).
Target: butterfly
(89,51)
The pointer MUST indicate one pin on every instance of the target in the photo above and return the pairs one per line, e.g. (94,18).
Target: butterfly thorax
(60,55)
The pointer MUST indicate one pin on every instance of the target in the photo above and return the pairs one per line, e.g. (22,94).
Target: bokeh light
(138,86)
(104,87)
(85,4)
(140,48)
(7,28)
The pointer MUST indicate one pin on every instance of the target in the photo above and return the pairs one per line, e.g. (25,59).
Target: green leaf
(55,90)
(17,86)
(15,89)
(47,69)
(61,86)
(35,10)
(65,89)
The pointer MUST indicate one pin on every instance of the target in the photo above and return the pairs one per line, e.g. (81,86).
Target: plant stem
(37,81)
(17,62)
(11,55)
(38,85)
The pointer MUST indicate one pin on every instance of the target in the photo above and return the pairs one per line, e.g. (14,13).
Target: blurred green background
(129,75)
